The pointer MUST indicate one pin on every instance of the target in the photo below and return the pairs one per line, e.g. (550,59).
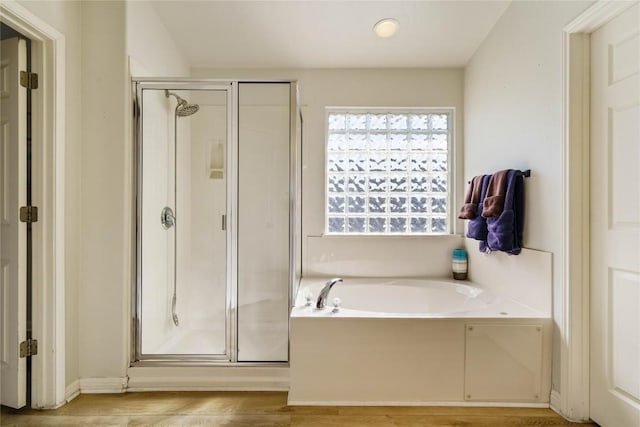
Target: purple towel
(505,231)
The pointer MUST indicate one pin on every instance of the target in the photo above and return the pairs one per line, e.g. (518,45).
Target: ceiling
(327,34)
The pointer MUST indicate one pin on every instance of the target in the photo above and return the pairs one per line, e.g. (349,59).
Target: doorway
(16,219)
(598,274)
(615,224)
(48,234)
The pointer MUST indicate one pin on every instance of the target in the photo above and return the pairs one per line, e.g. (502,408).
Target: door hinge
(29,80)
(28,348)
(29,214)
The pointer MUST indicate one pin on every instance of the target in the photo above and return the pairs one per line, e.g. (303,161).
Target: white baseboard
(208,379)
(556,406)
(461,403)
(555,403)
(172,384)
(72,391)
(103,385)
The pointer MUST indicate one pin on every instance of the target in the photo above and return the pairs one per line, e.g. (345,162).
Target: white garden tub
(418,342)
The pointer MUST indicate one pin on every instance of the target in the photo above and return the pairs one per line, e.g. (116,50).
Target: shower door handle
(167,219)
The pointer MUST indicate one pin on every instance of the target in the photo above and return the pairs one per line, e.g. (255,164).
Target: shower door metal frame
(295,235)
(137,358)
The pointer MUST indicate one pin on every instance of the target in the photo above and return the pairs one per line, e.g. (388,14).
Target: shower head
(183,109)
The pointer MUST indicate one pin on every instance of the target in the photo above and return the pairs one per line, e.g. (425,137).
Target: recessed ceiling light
(386,28)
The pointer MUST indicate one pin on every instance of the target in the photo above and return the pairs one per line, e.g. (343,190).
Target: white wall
(104,295)
(112,31)
(320,88)
(513,104)
(150,47)
(66,17)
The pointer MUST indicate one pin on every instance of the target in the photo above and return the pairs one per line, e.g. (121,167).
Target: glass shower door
(183,297)
(264,197)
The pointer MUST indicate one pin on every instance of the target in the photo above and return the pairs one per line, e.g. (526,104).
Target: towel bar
(525,173)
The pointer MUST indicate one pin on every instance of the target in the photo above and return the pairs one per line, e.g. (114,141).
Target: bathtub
(417,342)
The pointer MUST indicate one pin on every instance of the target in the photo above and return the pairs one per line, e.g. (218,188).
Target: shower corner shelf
(216,173)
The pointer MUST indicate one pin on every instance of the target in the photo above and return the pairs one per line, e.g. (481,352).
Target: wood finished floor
(261,409)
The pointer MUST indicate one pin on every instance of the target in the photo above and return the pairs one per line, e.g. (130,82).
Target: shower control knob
(167,218)
(337,302)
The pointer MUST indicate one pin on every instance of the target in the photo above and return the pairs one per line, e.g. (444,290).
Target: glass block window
(388,171)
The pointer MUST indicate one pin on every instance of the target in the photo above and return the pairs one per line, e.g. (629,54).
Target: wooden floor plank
(257,409)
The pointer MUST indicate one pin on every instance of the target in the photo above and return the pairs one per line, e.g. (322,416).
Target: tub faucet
(324,293)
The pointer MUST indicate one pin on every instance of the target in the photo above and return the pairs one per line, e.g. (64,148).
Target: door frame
(572,400)
(48,160)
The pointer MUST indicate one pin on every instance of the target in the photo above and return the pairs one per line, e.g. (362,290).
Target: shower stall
(217,220)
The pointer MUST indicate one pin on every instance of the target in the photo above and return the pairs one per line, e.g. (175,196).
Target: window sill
(387,236)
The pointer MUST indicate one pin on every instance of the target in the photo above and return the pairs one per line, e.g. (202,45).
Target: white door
(615,222)
(13,233)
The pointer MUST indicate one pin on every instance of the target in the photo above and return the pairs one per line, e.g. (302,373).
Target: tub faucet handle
(337,302)
(308,298)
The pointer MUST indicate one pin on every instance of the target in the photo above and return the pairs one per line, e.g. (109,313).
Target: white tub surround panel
(503,362)
(344,361)
(525,278)
(487,350)
(404,361)
(380,256)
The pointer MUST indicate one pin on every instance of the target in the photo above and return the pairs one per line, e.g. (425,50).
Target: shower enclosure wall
(217,223)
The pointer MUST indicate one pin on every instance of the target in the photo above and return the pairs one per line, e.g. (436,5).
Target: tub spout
(324,293)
